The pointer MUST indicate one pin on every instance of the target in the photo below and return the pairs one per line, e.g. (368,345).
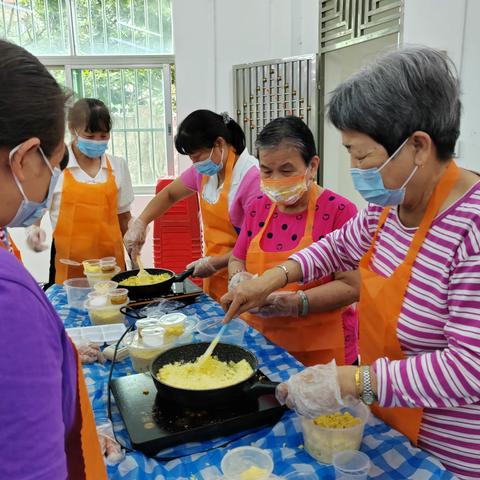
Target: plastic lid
(173,319)
(351,462)
(153,336)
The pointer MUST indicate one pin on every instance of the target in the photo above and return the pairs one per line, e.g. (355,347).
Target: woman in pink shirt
(315,323)
(224,175)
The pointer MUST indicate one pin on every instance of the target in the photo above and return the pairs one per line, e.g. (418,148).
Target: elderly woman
(313,322)
(47,426)
(417,246)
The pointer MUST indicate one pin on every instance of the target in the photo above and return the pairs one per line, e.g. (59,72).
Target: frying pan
(216,396)
(155,289)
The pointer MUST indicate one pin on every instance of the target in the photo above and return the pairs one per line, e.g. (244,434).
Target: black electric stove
(154,426)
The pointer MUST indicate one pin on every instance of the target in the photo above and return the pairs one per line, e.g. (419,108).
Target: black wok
(155,289)
(212,397)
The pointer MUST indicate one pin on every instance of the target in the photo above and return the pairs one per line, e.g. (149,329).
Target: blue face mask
(91,148)
(369,183)
(29,212)
(209,167)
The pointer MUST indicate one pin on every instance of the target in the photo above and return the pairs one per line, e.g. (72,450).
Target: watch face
(368,397)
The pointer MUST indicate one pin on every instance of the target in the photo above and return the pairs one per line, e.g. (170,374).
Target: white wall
(452,25)
(213,35)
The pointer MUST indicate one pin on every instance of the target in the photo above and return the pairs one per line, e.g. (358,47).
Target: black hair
(288,131)
(414,88)
(201,129)
(32,104)
(90,114)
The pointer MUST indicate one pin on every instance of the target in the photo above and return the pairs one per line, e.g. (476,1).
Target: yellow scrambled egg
(212,374)
(254,473)
(337,420)
(142,280)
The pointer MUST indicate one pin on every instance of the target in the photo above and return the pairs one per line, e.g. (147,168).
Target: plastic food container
(173,323)
(102,315)
(91,266)
(301,476)
(208,329)
(118,296)
(351,465)
(95,277)
(77,291)
(247,463)
(96,334)
(105,286)
(97,299)
(322,443)
(142,354)
(108,264)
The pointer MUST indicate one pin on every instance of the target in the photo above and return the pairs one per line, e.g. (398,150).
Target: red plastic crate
(176,235)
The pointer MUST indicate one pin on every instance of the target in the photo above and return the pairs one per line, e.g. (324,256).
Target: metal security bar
(347,22)
(270,89)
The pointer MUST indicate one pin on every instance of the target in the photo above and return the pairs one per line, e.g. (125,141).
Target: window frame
(72,62)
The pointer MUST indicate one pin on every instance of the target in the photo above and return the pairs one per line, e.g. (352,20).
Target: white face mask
(29,211)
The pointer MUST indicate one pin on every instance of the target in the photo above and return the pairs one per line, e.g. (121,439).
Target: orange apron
(381,301)
(88,464)
(10,245)
(315,338)
(88,225)
(218,232)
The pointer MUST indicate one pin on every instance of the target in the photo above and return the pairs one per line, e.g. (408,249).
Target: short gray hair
(414,88)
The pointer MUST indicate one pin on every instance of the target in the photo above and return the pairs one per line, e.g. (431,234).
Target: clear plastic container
(91,266)
(95,277)
(301,476)
(106,286)
(97,299)
(142,355)
(108,264)
(77,291)
(247,463)
(208,329)
(118,296)
(107,314)
(322,443)
(97,334)
(351,465)
(173,323)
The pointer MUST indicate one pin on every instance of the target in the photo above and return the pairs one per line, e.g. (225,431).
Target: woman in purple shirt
(47,430)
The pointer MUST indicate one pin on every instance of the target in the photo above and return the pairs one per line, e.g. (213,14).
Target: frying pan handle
(262,388)
(182,276)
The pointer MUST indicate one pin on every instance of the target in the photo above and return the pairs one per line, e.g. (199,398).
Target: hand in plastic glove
(314,391)
(36,237)
(281,304)
(203,267)
(135,238)
(90,353)
(111,449)
(238,278)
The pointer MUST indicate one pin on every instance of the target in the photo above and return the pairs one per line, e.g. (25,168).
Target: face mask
(91,148)
(286,191)
(29,212)
(369,183)
(209,167)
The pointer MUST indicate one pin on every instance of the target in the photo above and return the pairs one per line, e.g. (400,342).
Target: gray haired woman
(417,246)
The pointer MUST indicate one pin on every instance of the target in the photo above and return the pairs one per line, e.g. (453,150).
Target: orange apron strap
(92,456)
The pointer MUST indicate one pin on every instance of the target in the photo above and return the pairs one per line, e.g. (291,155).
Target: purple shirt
(38,378)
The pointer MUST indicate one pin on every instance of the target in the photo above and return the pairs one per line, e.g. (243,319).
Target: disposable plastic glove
(36,237)
(280,304)
(203,267)
(90,353)
(135,238)
(314,391)
(238,278)
(111,449)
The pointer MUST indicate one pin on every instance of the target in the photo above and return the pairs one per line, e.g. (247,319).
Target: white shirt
(119,170)
(212,189)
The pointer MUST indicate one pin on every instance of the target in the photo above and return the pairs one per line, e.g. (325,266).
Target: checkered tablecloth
(391,453)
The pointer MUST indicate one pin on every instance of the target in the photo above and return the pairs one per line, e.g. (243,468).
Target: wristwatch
(368,396)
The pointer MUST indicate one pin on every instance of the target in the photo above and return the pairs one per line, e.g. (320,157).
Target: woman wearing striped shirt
(417,246)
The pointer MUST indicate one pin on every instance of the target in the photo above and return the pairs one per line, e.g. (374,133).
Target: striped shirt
(439,325)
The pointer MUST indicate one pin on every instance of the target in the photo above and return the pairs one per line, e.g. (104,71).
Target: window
(118,51)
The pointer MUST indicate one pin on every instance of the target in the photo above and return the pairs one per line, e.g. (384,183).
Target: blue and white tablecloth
(391,454)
